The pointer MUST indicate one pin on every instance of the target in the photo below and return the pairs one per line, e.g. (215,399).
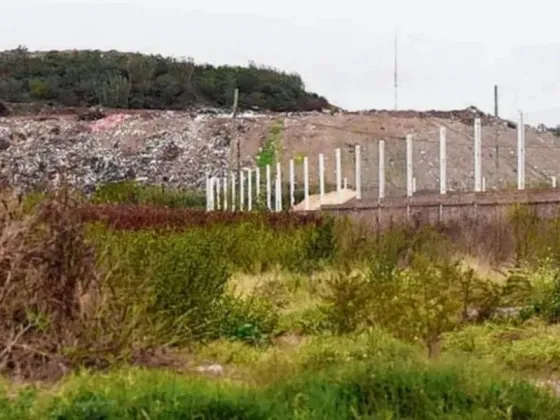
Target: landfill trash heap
(156,147)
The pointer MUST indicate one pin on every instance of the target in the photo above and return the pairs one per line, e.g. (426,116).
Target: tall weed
(180,277)
(51,293)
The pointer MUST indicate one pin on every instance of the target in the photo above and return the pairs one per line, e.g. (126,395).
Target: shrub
(181,277)
(248,319)
(346,301)
(129,192)
(50,292)
(133,217)
(419,302)
(548,304)
(320,246)
(310,321)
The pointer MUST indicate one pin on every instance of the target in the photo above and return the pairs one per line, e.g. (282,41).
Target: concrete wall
(486,207)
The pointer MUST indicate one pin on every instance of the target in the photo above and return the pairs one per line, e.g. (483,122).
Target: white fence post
(521,153)
(442,160)
(268,189)
(278,186)
(409,174)
(249,190)
(242,190)
(306,182)
(218,204)
(258,183)
(321,178)
(477,155)
(292,183)
(358,172)
(553,182)
(382,169)
(212,199)
(338,159)
(483,184)
(225,192)
(207,187)
(233,202)
(413,185)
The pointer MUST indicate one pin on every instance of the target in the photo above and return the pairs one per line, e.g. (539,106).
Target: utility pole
(521,152)
(234,134)
(395,75)
(497,128)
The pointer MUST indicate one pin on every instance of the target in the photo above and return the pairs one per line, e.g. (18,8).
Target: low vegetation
(115,311)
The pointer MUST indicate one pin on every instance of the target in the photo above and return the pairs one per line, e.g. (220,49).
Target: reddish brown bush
(129,217)
(46,269)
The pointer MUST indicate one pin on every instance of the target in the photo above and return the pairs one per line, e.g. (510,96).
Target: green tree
(114,79)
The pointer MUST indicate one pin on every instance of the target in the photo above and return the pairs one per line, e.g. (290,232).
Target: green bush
(417,293)
(310,321)
(548,307)
(249,319)
(321,244)
(180,277)
(129,192)
(346,302)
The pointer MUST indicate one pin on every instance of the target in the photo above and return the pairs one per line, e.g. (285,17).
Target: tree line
(131,80)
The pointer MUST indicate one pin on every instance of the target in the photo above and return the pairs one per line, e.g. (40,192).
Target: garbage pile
(174,148)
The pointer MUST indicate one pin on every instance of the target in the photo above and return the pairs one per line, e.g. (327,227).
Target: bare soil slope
(311,134)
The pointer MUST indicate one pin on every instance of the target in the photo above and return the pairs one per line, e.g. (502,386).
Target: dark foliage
(130,217)
(4,110)
(91,114)
(125,80)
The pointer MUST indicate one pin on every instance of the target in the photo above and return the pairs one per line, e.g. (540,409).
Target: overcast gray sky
(450,53)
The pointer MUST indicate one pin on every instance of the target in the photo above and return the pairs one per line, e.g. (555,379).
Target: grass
(372,377)
(530,348)
(314,318)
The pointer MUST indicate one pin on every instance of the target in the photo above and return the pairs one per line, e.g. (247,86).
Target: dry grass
(291,292)
(483,268)
(48,286)
(58,310)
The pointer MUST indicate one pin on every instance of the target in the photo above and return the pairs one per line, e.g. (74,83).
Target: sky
(450,54)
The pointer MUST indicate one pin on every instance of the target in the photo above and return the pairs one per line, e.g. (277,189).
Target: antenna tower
(395,75)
